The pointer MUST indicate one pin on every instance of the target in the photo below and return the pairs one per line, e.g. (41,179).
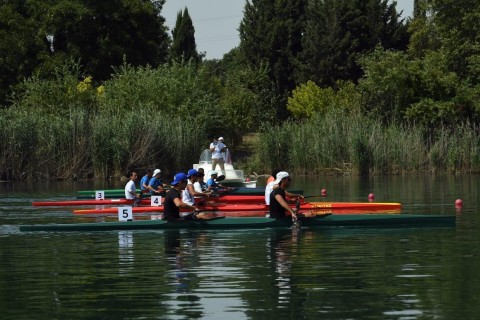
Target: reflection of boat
(231,207)
(354,220)
(233,177)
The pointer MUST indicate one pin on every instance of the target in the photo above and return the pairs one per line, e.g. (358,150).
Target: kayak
(120,193)
(229,207)
(255,199)
(229,198)
(380,220)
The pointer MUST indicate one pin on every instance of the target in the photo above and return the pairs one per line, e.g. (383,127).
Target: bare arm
(293,195)
(194,193)
(284,204)
(179,203)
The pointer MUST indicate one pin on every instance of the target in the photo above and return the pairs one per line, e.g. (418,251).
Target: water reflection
(180,261)
(126,257)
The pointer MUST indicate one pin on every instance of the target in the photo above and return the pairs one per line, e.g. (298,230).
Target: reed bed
(342,143)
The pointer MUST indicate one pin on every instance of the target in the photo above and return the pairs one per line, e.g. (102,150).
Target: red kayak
(228,198)
(227,207)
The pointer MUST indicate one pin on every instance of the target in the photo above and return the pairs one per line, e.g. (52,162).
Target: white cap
(221,138)
(213,172)
(280,176)
(157,171)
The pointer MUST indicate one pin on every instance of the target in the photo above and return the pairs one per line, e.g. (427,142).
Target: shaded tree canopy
(184,47)
(337,31)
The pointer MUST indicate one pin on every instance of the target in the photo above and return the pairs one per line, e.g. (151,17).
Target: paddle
(193,215)
(138,200)
(296,223)
(220,178)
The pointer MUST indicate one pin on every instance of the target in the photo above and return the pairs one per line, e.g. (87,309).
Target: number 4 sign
(156,201)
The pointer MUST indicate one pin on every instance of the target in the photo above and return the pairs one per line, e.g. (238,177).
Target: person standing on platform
(217,148)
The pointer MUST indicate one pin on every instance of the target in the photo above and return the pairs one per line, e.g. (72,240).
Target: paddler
(212,184)
(278,202)
(145,180)
(130,188)
(200,185)
(274,184)
(173,200)
(190,193)
(155,185)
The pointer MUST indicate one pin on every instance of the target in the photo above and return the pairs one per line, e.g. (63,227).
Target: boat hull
(360,206)
(379,220)
(120,193)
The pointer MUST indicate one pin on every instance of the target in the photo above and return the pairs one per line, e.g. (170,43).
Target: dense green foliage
(90,89)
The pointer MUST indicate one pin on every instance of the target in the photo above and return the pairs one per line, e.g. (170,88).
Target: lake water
(409,273)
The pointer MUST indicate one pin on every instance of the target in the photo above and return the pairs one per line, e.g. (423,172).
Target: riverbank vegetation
(331,94)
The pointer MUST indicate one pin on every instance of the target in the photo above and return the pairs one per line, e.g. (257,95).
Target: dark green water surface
(369,273)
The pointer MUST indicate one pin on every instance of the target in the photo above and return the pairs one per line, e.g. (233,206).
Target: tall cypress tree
(338,30)
(270,34)
(184,47)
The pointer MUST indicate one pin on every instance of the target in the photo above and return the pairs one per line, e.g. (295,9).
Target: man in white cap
(217,148)
(155,185)
(274,184)
(278,202)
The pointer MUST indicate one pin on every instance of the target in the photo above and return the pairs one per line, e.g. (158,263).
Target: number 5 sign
(125,214)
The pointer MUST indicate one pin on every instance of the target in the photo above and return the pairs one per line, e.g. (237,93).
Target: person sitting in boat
(217,148)
(155,185)
(190,193)
(278,202)
(145,180)
(130,188)
(273,185)
(173,200)
(273,177)
(200,185)
(212,184)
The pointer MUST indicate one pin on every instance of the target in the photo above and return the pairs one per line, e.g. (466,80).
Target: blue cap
(192,172)
(179,177)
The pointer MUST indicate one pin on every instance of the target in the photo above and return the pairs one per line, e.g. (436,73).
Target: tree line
(75,62)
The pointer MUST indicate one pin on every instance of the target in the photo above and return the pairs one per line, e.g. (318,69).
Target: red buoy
(458,202)
(323,193)
(371,197)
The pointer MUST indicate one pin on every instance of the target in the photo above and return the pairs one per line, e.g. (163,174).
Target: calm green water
(428,273)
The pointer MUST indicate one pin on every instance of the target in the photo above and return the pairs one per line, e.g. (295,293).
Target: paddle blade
(220,178)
